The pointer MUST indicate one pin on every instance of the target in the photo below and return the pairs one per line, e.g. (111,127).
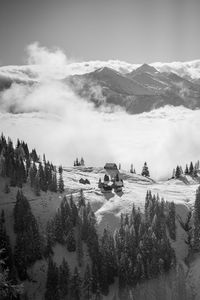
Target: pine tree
(177,172)
(81,201)
(64,280)
(53,184)
(58,228)
(181,170)
(195,171)
(191,169)
(196,229)
(82,163)
(8,288)
(79,247)
(75,289)
(28,246)
(131,170)
(42,179)
(186,170)
(52,292)
(70,241)
(6,251)
(37,184)
(6,189)
(87,284)
(32,174)
(171,221)
(2,219)
(145,170)
(34,156)
(61,183)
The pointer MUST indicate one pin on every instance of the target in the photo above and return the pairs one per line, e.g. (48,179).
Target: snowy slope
(108,207)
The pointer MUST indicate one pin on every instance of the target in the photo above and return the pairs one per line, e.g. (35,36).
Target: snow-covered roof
(110,166)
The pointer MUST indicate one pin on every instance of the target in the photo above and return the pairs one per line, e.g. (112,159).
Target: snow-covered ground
(108,207)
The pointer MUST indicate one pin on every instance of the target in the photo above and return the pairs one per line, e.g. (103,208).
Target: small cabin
(112,170)
(111,179)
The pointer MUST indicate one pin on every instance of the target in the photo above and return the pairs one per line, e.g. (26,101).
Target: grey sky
(136,31)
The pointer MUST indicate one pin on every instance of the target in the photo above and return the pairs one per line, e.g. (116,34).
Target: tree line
(21,166)
(190,169)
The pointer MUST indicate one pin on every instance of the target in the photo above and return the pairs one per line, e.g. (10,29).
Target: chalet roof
(110,166)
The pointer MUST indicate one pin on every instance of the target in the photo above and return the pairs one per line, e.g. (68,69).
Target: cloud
(190,69)
(51,118)
(50,63)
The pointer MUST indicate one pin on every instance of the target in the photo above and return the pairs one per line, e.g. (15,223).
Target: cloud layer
(56,121)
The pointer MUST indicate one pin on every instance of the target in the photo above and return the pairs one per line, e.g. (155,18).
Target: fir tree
(2,219)
(28,246)
(81,201)
(87,284)
(6,189)
(196,230)
(64,280)
(52,292)
(131,169)
(61,183)
(145,170)
(191,169)
(177,172)
(37,184)
(70,241)
(32,174)
(58,228)
(186,170)
(79,247)
(171,221)
(75,289)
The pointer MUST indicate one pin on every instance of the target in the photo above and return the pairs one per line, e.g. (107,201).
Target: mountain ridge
(140,90)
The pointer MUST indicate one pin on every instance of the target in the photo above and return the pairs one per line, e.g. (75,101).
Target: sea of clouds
(51,118)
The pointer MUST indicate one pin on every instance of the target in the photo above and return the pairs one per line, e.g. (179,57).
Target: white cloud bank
(53,119)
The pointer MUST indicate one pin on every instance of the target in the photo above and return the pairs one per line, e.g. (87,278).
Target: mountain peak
(106,70)
(147,69)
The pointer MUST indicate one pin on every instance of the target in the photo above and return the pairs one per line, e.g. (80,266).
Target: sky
(135,31)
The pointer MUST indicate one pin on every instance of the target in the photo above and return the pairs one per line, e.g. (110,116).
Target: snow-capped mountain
(141,90)
(134,88)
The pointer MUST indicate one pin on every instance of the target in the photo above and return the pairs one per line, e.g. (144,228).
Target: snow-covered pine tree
(145,170)
(177,172)
(186,170)
(191,169)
